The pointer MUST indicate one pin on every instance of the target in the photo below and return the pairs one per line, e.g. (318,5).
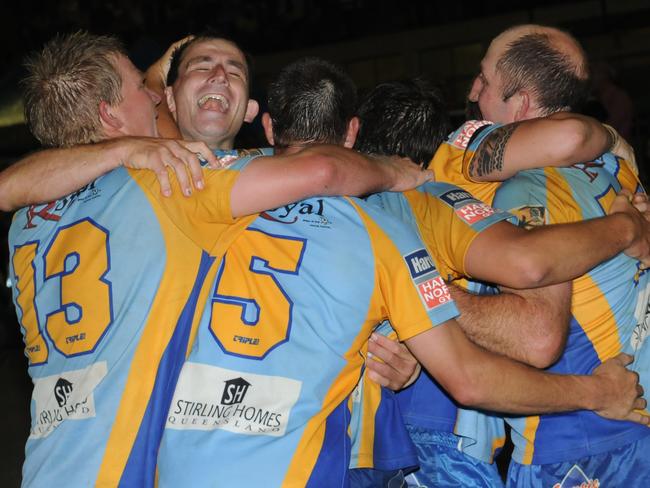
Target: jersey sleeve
(480,130)
(449,219)
(456,153)
(205,215)
(525,196)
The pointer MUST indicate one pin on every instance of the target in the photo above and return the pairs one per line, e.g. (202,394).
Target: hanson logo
(234,391)
(419,263)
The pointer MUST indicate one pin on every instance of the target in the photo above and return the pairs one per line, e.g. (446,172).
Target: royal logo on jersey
(311,212)
(256,405)
(43,212)
(463,137)
(64,397)
(430,285)
(46,212)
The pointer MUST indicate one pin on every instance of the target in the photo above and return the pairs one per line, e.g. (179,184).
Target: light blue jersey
(263,398)
(377,443)
(106,282)
(609,309)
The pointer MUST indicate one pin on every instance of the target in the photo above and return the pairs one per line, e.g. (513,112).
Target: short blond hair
(65,84)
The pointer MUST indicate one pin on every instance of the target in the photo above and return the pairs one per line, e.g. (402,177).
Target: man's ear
(521,101)
(267,123)
(110,122)
(351,134)
(252,109)
(171,103)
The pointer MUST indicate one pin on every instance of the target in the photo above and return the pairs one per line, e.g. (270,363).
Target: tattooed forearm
(489,157)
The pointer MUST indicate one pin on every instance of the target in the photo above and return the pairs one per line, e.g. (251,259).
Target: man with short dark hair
(207,91)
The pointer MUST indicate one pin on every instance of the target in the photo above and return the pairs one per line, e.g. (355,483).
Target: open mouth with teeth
(214,101)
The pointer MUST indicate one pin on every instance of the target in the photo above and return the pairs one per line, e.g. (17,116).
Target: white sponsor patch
(64,396)
(462,139)
(208,398)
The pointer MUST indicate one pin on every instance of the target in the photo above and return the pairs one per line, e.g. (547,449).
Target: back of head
(404,118)
(311,101)
(546,61)
(65,84)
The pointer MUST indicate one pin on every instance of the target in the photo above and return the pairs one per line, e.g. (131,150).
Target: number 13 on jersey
(78,258)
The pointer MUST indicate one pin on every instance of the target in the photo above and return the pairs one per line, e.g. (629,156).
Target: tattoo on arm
(489,157)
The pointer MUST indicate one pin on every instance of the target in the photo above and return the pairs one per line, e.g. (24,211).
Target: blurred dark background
(375,40)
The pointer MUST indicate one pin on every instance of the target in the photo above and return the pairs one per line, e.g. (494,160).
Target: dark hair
(405,118)
(532,62)
(179,52)
(65,83)
(312,100)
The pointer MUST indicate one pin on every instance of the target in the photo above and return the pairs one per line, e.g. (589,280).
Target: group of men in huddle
(192,322)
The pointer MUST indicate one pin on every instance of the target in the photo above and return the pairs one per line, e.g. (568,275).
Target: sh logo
(234,391)
(62,391)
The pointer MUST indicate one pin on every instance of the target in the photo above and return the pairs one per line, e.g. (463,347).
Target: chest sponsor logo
(64,397)
(474,212)
(461,141)
(242,403)
(576,478)
(311,212)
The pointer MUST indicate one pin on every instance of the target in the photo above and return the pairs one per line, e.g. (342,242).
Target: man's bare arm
(323,170)
(530,326)
(47,175)
(480,379)
(556,253)
(561,139)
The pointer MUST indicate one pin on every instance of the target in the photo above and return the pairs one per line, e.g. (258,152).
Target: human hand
(159,154)
(640,202)
(620,391)
(621,148)
(156,74)
(407,174)
(397,368)
(637,210)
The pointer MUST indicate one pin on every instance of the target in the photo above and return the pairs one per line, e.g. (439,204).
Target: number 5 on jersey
(251,312)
